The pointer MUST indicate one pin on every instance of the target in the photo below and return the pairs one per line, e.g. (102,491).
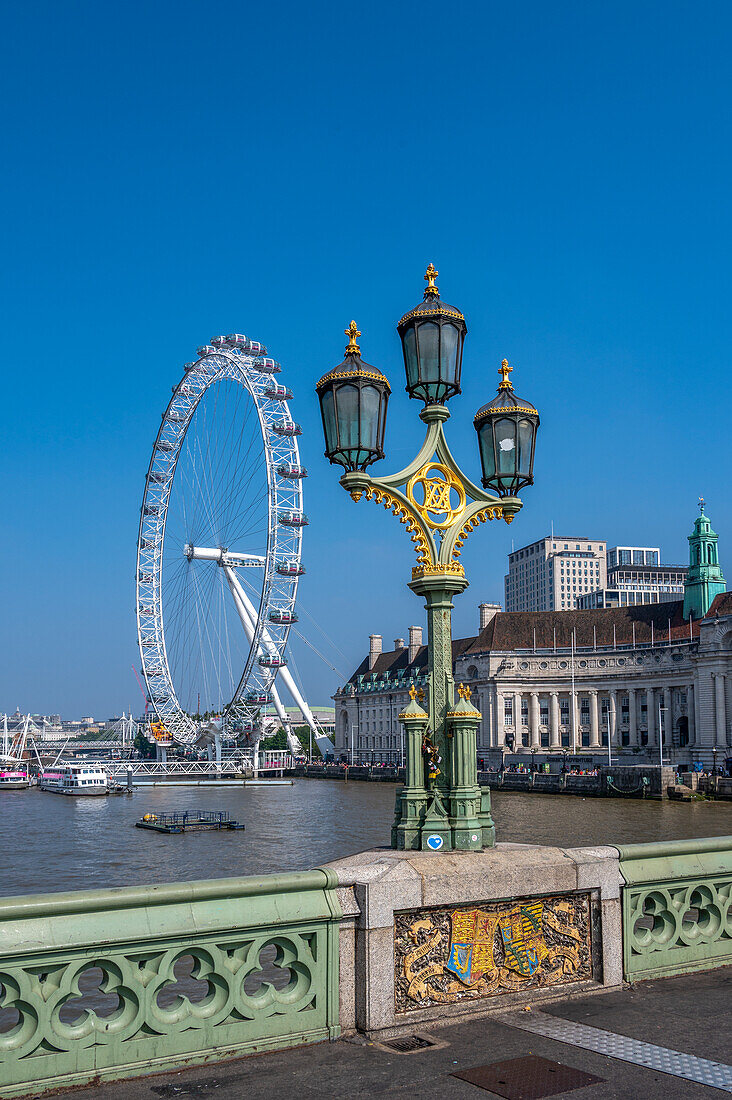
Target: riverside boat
(75,779)
(13,778)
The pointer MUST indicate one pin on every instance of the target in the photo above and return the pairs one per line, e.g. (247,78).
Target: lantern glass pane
(327,404)
(429,351)
(410,357)
(449,352)
(487,455)
(369,417)
(525,440)
(506,447)
(347,403)
(382,422)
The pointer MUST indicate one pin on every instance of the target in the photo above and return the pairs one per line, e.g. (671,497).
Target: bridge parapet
(260,971)
(677,906)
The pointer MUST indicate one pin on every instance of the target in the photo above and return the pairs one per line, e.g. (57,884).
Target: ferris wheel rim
(282,543)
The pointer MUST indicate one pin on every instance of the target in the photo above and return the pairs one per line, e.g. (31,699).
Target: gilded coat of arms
(446,955)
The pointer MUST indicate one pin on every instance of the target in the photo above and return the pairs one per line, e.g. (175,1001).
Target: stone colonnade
(598,711)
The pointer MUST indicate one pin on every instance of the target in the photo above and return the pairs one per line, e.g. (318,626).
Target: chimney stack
(399,643)
(415,641)
(374,649)
(487,612)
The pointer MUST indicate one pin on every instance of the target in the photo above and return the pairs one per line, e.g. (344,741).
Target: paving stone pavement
(690,1014)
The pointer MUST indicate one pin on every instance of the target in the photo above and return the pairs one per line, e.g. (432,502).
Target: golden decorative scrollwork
(450,569)
(493,512)
(438,483)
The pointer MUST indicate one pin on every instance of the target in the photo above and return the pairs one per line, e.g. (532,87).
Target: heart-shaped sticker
(434,842)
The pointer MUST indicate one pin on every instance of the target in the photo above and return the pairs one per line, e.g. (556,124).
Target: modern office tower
(551,574)
(636,575)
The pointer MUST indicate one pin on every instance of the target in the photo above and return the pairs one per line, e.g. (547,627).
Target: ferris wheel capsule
(205,349)
(278,615)
(272,661)
(218,341)
(289,471)
(286,427)
(255,348)
(290,568)
(278,393)
(293,519)
(268,366)
(236,339)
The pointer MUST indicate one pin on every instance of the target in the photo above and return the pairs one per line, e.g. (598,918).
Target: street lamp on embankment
(441,805)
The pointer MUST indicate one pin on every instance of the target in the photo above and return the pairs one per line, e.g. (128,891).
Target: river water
(53,842)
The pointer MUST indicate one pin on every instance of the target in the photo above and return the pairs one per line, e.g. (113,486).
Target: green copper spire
(704,580)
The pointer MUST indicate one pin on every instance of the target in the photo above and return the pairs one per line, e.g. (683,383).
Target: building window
(544,712)
(525,712)
(508,712)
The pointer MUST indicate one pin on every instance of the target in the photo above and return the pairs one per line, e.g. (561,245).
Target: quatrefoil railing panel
(677,906)
(203,970)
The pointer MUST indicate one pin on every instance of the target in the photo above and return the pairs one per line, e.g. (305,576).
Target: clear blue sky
(175,170)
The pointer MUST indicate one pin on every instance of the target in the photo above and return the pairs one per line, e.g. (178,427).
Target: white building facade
(553,573)
(545,683)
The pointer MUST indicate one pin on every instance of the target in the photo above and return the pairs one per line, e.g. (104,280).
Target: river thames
(52,842)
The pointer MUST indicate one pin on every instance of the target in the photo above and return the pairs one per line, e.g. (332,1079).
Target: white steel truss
(280,566)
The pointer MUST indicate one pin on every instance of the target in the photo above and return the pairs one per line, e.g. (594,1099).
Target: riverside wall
(621,781)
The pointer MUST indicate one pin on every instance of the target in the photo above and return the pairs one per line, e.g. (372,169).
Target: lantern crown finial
(352,332)
(504,370)
(430,275)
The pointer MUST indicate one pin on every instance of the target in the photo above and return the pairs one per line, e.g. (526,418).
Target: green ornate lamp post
(441,805)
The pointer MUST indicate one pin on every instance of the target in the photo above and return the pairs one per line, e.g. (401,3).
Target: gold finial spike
(412,693)
(702,502)
(464,692)
(504,371)
(353,334)
(430,275)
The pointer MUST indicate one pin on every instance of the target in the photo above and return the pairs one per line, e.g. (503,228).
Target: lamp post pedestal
(470,807)
(412,799)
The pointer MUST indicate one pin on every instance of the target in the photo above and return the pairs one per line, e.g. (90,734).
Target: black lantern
(353,398)
(506,429)
(432,338)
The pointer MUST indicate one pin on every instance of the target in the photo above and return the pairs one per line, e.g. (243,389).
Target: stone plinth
(439,936)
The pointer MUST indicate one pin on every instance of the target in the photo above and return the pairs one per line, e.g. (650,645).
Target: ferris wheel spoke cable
(240,472)
(244,580)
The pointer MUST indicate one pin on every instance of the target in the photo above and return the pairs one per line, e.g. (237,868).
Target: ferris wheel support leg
(255,757)
(248,616)
(217,750)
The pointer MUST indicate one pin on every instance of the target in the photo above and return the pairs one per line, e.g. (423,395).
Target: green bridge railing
(677,912)
(98,985)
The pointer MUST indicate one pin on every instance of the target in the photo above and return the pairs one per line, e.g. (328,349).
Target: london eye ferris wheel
(219,545)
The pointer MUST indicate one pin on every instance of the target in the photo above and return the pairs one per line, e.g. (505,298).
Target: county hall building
(557,682)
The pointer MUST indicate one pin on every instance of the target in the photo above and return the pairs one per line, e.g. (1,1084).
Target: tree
(145,748)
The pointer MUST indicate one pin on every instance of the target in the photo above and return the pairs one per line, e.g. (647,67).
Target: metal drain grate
(528,1078)
(409,1044)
